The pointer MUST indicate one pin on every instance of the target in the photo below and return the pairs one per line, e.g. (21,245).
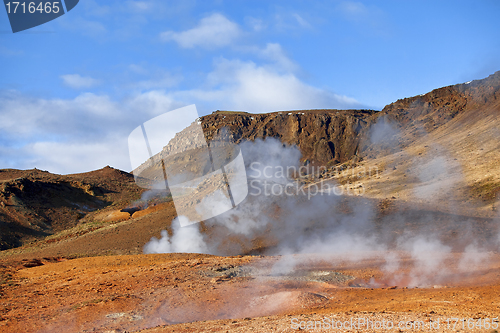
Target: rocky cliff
(323,136)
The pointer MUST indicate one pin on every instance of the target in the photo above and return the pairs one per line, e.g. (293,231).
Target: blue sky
(72,90)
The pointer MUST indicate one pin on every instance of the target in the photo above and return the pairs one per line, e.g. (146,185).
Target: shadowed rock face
(322,135)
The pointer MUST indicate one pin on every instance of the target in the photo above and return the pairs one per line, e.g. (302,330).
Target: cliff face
(323,136)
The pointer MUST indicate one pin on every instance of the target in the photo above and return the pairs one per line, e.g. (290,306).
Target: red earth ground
(202,293)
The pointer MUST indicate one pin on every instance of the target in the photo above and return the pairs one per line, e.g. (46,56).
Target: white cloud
(138,69)
(140,5)
(238,85)
(285,20)
(24,117)
(274,52)
(301,21)
(73,135)
(160,82)
(76,157)
(255,24)
(370,18)
(77,81)
(156,102)
(212,31)
(94,8)
(145,77)
(353,10)
(88,28)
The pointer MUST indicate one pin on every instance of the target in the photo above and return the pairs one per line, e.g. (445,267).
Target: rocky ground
(200,293)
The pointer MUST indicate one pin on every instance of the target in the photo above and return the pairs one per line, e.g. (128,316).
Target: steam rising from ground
(186,239)
(326,224)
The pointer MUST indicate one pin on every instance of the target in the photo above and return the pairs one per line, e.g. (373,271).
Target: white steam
(186,239)
(275,220)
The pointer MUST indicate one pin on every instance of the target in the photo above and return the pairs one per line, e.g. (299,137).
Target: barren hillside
(36,204)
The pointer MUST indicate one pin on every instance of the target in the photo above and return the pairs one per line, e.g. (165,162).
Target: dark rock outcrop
(323,136)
